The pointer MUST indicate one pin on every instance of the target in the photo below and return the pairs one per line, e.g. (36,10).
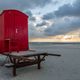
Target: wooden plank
(8,65)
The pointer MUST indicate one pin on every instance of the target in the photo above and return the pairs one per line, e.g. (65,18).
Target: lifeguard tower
(14,38)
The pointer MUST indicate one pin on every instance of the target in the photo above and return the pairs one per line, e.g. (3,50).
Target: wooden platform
(27,58)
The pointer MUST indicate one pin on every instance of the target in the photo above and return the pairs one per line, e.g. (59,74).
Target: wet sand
(66,67)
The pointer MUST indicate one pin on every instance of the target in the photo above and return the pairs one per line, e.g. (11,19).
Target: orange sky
(59,38)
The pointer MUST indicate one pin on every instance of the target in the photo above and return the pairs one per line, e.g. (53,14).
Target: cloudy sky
(48,18)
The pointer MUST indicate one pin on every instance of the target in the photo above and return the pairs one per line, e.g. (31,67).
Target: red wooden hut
(14,37)
(13,31)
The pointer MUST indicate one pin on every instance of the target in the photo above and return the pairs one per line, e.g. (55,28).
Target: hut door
(18,31)
(21,33)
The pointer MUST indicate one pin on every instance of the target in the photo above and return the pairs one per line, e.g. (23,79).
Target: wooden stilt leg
(39,66)
(14,71)
(14,68)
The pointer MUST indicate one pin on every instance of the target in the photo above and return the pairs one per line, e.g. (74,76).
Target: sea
(54,46)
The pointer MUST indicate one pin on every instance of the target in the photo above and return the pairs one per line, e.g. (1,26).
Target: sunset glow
(59,38)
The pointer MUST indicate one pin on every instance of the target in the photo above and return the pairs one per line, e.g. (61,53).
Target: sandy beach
(66,67)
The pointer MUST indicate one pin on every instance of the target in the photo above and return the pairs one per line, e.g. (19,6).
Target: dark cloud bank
(67,10)
(71,23)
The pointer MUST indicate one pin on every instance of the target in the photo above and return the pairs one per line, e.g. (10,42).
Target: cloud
(66,17)
(65,10)
(20,4)
(29,13)
(68,10)
(63,27)
(33,19)
(43,23)
(48,16)
(34,32)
